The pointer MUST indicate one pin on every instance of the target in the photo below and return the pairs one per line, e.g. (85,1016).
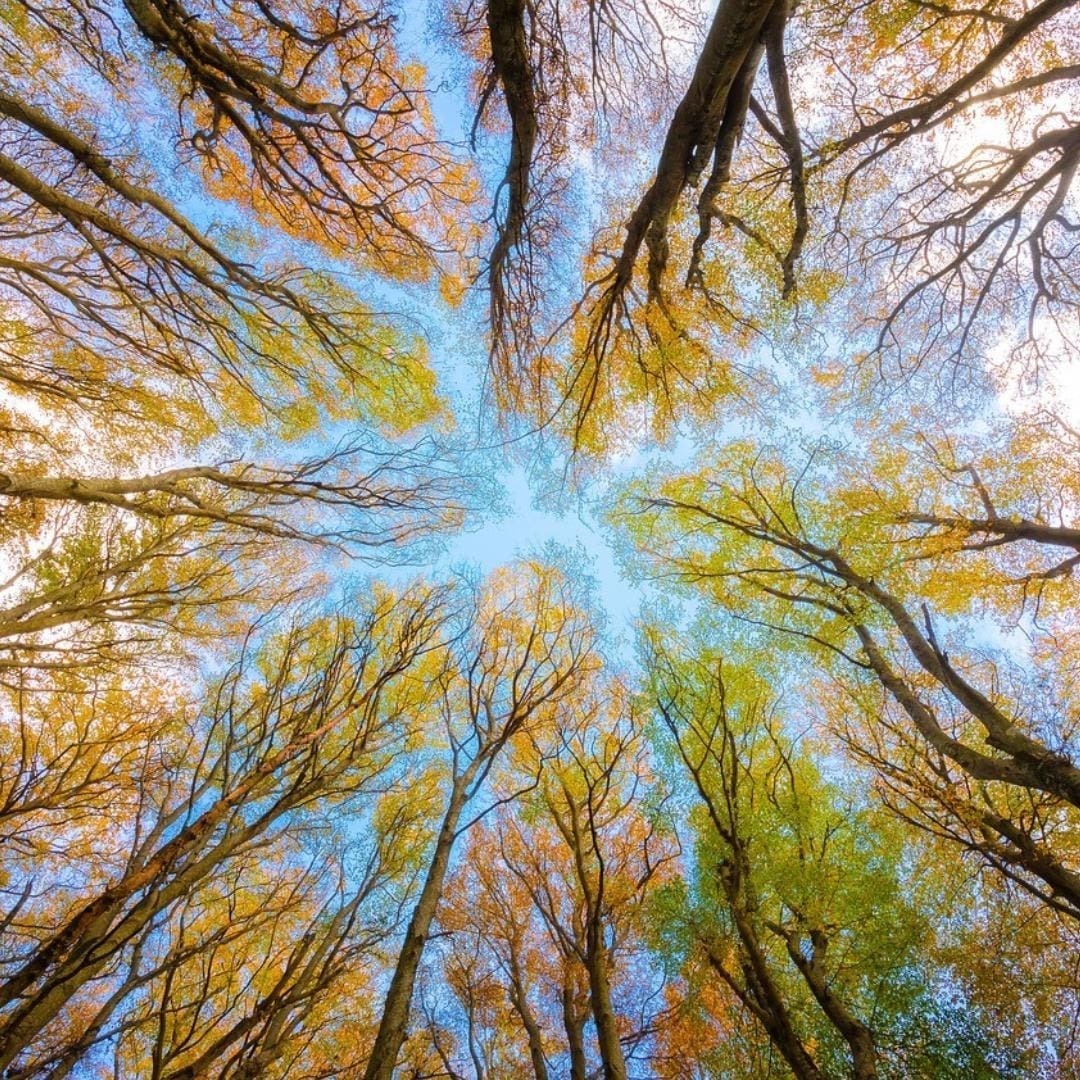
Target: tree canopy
(317,761)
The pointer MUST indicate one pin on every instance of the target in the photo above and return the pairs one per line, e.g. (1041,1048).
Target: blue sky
(526,528)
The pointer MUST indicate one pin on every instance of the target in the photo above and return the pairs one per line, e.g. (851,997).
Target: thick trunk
(1022,850)
(693,131)
(760,992)
(510,58)
(691,138)
(853,1031)
(727,138)
(791,141)
(607,1031)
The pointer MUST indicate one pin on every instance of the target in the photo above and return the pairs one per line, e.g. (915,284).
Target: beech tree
(824,960)
(839,585)
(530,647)
(322,724)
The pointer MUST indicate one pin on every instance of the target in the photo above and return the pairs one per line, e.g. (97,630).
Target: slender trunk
(761,994)
(854,1032)
(574,1025)
(395,1015)
(1051,771)
(285,1005)
(108,904)
(102,936)
(90,1035)
(520,1002)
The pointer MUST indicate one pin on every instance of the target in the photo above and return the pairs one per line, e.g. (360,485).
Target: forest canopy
(324,327)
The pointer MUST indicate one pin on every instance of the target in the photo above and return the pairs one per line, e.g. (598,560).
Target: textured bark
(853,1031)
(513,70)
(693,131)
(574,1026)
(607,1031)
(731,129)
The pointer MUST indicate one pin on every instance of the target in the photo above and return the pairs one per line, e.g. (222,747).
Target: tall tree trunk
(574,1025)
(855,1033)
(94,936)
(395,1015)
(521,1006)
(771,1007)
(607,1032)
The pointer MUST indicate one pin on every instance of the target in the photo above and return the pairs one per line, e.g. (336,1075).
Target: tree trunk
(96,934)
(854,1032)
(532,1029)
(607,1032)
(395,1015)
(574,1024)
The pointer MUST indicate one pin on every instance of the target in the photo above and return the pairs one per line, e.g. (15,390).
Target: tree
(562,883)
(707,744)
(322,720)
(489,917)
(124,558)
(619,851)
(308,118)
(520,659)
(750,147)
(861,570)
(145,325)
(801,905)
(285,289)
(537,58)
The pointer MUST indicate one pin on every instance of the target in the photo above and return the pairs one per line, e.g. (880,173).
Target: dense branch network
(264,818)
